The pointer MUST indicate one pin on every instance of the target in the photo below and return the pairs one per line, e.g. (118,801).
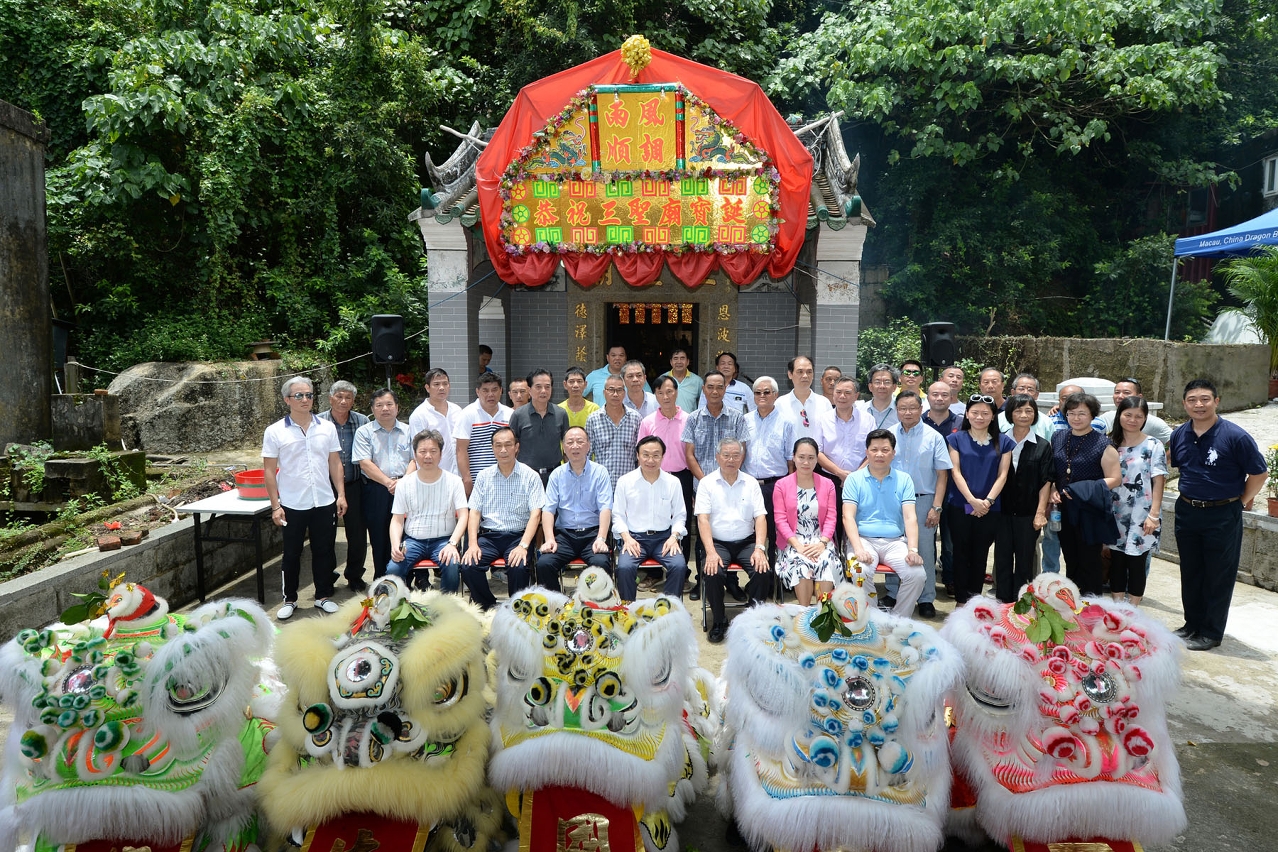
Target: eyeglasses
(302,395)
(614,390)
(764,392)
(803,412)
(911,372)
(980,397)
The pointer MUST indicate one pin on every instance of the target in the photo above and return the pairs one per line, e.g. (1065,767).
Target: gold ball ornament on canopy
(636,52)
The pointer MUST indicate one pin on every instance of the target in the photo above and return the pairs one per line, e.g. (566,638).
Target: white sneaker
(326,605)
(286,612)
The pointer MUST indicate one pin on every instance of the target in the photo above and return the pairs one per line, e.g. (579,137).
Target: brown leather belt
(1207,504)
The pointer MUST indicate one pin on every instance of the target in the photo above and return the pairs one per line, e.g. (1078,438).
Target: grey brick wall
(538,323)
(766,333)
(834,333)
(453,330)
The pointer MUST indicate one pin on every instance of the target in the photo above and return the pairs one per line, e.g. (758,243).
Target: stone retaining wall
(1241,372)
(1259,563)
(164,562)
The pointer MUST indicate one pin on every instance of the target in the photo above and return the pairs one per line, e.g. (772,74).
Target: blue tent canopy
(1241,239)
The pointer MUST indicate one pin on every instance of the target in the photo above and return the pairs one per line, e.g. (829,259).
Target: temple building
(646,200)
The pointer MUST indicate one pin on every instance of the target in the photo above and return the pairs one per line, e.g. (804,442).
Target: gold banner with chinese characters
(702,211)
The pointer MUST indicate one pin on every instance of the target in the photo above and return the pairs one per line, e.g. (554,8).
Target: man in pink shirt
(667,424)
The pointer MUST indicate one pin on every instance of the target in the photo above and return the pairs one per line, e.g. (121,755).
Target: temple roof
(834,200)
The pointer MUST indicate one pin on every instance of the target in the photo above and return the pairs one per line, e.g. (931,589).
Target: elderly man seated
(577,513)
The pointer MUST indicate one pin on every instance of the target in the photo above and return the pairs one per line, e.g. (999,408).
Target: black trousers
(356,532)
(492,545)
(1210,545)
(686,480)
(570,545)
(1013,555)
(1082,560)
(377,517)
(768,486)
(321,524)
(759,586)
(1127,573)
(972,538)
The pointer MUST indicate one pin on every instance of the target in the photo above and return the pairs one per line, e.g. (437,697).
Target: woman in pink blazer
(807,522)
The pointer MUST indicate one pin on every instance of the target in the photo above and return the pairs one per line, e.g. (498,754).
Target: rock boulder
(194,407)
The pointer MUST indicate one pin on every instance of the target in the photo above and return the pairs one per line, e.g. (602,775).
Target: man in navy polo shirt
(1221,470)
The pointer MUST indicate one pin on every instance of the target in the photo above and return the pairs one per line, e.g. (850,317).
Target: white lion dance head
(144,730)
(383,741)
(837,743)
(603,722)
(1062,729)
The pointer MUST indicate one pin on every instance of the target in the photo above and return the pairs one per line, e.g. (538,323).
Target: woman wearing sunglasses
(982,457)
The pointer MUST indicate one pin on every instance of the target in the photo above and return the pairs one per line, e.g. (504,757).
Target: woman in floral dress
(1138,501)
(806,525)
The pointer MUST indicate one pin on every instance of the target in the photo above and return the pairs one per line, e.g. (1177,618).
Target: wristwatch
(914,550)
(760,547)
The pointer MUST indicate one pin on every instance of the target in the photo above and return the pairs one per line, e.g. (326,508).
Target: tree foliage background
(223,171)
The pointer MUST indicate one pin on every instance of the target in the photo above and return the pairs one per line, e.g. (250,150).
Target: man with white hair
(308,456)
(772,437)
(341,399)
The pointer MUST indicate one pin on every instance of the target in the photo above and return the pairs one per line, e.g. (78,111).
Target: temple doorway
(650,331)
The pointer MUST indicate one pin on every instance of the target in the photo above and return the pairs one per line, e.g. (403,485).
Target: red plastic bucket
(251,484)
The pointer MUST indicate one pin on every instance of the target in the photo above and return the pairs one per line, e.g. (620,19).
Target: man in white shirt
(428,518)
(802,406)
(649,519)
(882,379)
(476,426)
(1155,426)
(841,437)
(437,413)
(505,510)
(308,456)
(638,398)
(732,529)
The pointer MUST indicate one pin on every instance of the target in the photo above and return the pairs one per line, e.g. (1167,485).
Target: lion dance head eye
(609,685)
(539,693)
(451,691)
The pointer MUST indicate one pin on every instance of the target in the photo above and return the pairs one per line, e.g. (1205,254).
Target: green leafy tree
(1129,298)
(1253,281)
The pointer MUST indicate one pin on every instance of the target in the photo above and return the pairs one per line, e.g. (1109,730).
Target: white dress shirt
(817,408)
(732,508)
(303,476)
(639,505)
(426,417)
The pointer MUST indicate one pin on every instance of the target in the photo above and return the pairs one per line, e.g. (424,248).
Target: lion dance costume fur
(837,743)
(603,722)
(1066,738)
(382,740)
(145,731)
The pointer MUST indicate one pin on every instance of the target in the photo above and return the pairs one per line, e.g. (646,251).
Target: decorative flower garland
(517,173)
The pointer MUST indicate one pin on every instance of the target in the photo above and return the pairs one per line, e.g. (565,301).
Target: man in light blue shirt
(921,453)
(383,449)
(879,518)
(772,437)
(595,379)
(1026,384)
(689,383)
(577,514)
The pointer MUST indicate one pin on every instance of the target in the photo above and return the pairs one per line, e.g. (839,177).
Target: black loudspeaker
(940,349)
(388,339)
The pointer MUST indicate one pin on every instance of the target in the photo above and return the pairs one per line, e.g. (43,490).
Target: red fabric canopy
(734,98)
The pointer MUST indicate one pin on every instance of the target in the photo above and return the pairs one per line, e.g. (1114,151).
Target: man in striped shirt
(476,426)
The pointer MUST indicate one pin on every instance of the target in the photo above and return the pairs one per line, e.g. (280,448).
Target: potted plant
(1271,485)
(1253,280)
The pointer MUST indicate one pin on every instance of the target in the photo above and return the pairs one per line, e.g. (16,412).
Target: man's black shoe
(887,602)
(949,589)
(1183,631)
(1198,643)
(734,589)
(717,632)
(926,610)
(357,586)
(695,594)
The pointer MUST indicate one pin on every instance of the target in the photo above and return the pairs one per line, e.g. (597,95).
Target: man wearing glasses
(772,437)
(341,399)
(308,456)
(912,378)
(613,432)
(801,406)
(879,407)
